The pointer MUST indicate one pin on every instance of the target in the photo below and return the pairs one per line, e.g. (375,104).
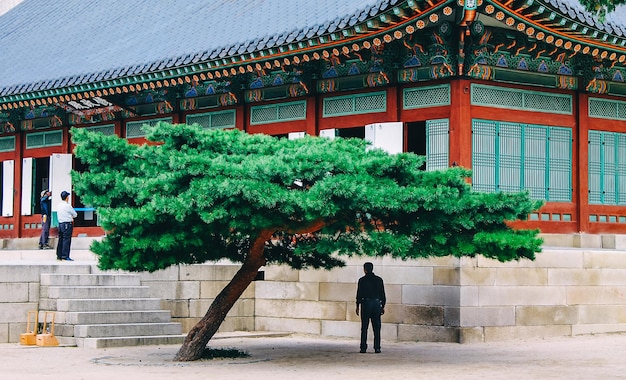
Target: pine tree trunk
(199,336)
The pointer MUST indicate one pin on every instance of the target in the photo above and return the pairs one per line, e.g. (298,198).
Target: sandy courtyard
(305,357)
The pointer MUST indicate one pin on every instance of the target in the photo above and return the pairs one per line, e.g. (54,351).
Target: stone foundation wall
(422,295)
(566,291)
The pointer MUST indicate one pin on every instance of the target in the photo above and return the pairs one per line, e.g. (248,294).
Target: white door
(60,176)
(27,185)
(8,174)
(386,136)
(328,133)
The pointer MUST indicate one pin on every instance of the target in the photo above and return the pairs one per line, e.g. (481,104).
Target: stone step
(51,279)
(79,305)
(78,243)
(94,292)
(109,342)
(124,330)
(107,317)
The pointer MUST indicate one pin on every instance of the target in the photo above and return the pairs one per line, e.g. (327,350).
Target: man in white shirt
(65,215)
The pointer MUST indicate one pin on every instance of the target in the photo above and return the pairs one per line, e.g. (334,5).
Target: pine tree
(193,195)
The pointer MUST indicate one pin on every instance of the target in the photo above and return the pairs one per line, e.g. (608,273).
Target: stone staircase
(105,310)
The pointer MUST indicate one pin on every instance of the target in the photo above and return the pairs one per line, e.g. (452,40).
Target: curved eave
(391,23)
(557,27)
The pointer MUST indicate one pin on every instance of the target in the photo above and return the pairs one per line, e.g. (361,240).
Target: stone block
(605,260)
(587,241)
(546,315)
(412,333)
(477,276)
(197,272)
(15,330)
(487,316)
(174,290)
(301,309)
(15,312)
(452,316)
(288,290)
(243,307)
(33,292)
(225,272)
(576,277)
(14,292)
(20,273)
(512,333)
(596,295)
(558,258)
(619,242)
(446,276)
(349,274)
(342,328)
(198,308)
(414,315)
(602,314)
(607,328)
(237,324)
(167,274)
(282,273)
(557,240)
(611,277)
(521,276)
(4,332)
(210,289)
(469,295)
(393,293)
(178,308)
(484,262)
(405,275)
(471,335)
(302,326)
(522,295)
(338,292)
(430,295)
(186,323)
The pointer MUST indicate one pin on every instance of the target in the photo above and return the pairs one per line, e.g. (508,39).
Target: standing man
(45,203)
(370,295)
(66,215)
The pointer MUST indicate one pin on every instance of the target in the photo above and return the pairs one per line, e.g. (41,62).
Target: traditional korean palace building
(530,94)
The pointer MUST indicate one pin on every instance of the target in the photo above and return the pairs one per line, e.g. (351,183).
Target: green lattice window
(437,144)
(275,113)
(500,97)
(422,97)
(355,104)
(108,129)
(607,168)
(7,144)
(218,119)
(135,128)
(607,109)
(43,139)
(512,157)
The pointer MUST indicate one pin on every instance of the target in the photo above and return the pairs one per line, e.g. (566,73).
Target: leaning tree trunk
(195,343)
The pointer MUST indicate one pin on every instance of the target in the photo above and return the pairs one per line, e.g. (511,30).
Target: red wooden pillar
(20,146)
(311,127)
(581,197)
(460,124)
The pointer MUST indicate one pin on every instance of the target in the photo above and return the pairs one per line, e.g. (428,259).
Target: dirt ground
(306,357)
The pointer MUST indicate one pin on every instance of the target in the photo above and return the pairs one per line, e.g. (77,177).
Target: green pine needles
(198,195)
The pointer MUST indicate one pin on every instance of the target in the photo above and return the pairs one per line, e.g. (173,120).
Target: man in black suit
(370,297)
